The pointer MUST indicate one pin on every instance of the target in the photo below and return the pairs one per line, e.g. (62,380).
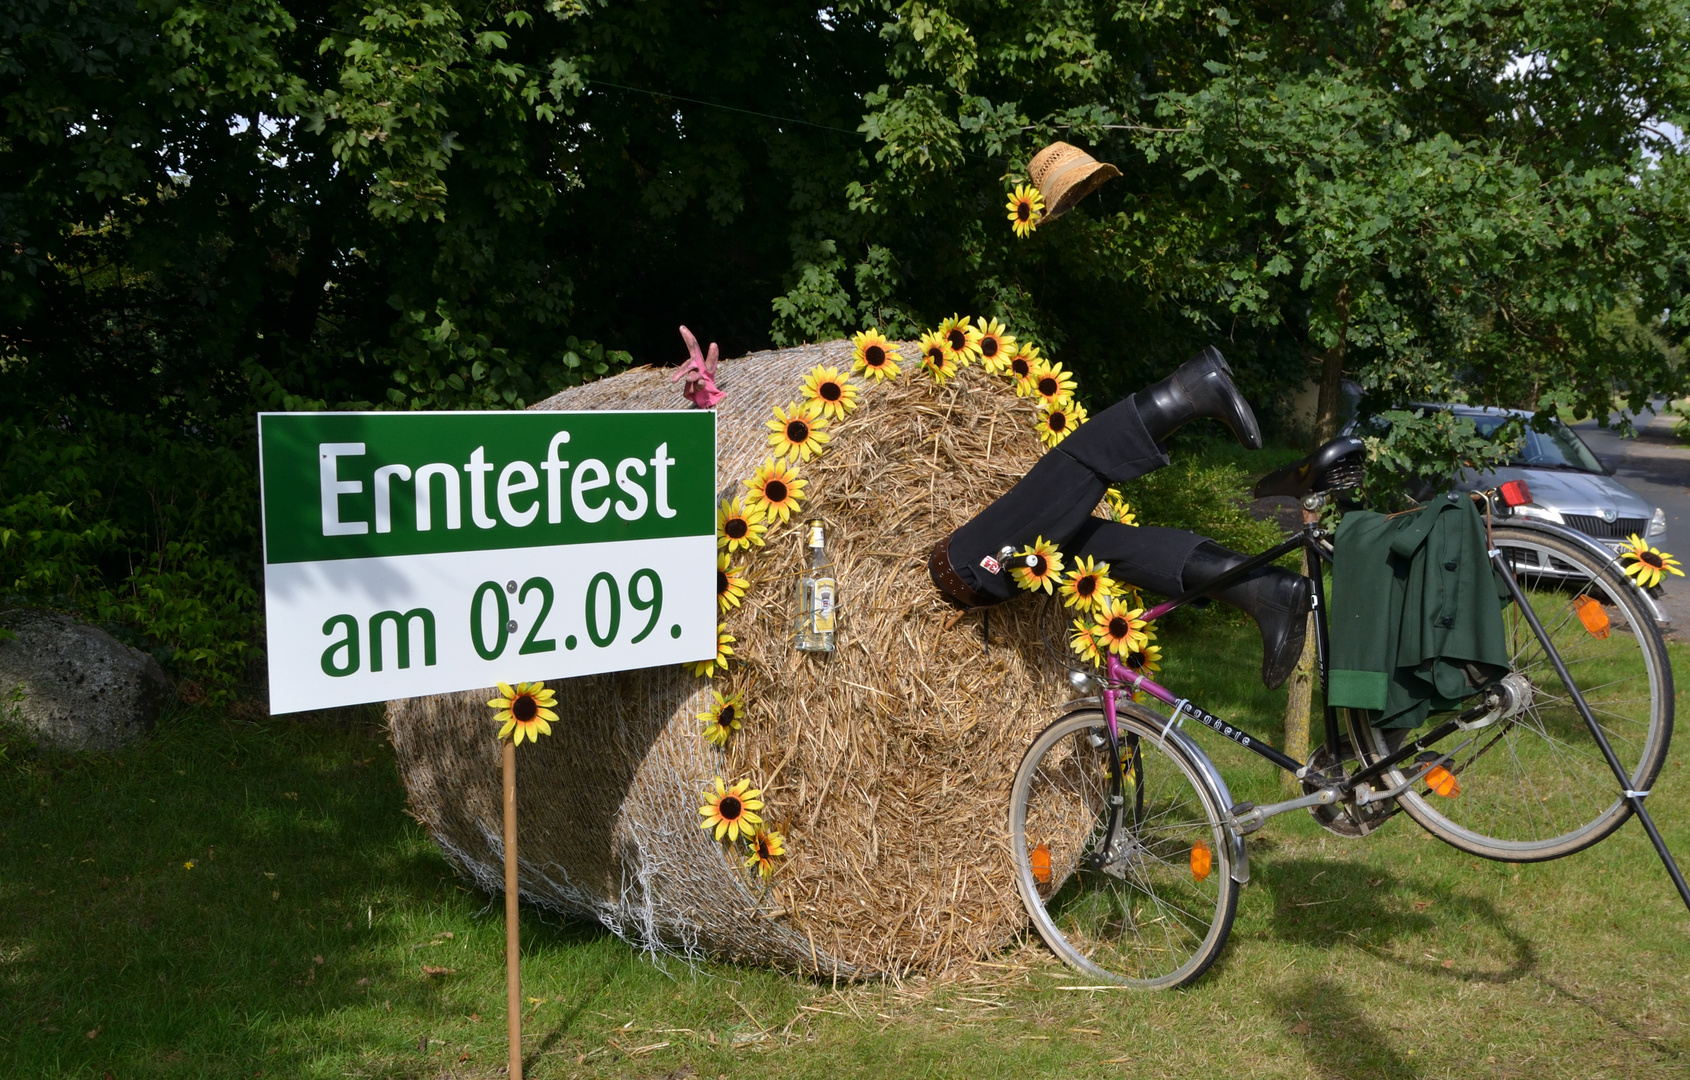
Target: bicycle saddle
(1333,467)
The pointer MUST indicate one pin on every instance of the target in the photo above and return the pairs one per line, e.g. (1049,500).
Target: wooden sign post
(513,953)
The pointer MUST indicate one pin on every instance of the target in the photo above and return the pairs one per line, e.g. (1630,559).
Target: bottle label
(821,620)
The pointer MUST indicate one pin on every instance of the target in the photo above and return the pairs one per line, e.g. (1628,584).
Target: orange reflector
(1202,860)
(1040,858)
(1442,782)
(1593,615)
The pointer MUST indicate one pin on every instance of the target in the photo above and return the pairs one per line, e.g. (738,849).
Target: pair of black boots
(1056,498)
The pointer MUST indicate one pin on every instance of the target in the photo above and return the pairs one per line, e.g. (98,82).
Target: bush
(1205,493)
(150,533)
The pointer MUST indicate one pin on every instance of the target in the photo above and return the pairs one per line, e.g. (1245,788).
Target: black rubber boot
(1277,599)
(1201,387)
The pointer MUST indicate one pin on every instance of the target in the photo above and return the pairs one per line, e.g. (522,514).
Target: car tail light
(1516,493)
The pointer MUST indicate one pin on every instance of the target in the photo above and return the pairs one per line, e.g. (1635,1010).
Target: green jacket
(1416,612)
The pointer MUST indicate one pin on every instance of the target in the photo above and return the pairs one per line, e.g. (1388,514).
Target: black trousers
(1055,500)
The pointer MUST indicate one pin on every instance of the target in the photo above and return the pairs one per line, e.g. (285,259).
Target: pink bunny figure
(700,374)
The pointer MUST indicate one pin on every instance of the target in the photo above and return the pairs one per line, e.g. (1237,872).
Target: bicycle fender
(1240,853)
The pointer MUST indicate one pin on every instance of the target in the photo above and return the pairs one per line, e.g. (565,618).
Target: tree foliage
(210,207)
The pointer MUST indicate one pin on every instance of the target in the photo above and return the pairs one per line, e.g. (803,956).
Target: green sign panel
(416,553)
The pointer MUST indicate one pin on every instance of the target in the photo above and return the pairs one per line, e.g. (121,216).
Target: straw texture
(886,765)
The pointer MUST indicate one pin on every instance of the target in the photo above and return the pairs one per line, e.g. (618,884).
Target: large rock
(75,687)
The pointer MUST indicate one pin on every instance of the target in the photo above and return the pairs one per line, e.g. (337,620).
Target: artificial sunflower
(995,347)
(831,392)
(1146,659)
(960,338)
(935,360)
(798,431)
(776,489)
(874,356)
(1119,509)
(1056,422)
(1026,206)
(1087,583)
(731,811)
(1022,366)
(1084,642)
(723,718)
(766,847)
(1118,628)
(739,526)
(1647,564)
(1052,384)
(525,710)
(1038,566)
(724,649)
(731,583)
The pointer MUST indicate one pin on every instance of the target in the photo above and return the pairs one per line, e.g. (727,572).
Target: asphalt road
(1656,466)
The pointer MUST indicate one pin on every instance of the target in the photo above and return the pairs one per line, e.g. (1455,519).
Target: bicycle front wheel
(1536,786)
(1138,894)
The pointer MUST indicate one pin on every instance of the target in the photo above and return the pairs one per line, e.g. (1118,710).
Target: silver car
(1569,486)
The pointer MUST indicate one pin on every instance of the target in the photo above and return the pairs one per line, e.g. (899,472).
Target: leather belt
(949,582)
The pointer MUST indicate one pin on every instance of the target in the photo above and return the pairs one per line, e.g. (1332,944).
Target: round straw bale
(886,765)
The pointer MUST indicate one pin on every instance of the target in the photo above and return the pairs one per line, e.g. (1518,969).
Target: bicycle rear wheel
(1535,786)
(1149,903)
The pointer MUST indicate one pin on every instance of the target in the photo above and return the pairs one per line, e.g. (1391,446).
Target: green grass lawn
(238,899)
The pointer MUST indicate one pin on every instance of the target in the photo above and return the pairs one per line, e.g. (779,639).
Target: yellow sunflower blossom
(1084,642)
(995,347)
(731,583)
(1118,628)
(723,718)
(1119,509)
(1037,566)
(833,393)
(960,339)
(776,489)
(1646,563)
(1056,422)
(524,710)
(766,846)
(1052,384)
(1026,206)
(1146,660)
(798,431)
(724,648)
(935,360)
(874,356)
(1087,583)
(739,527)
(1023,366)
(731,811)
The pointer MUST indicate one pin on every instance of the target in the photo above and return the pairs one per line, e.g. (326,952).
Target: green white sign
(420,553)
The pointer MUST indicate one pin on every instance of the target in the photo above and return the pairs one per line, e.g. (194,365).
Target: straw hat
(1066,174)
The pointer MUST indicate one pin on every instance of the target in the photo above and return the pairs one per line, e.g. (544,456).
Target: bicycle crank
(1345,818)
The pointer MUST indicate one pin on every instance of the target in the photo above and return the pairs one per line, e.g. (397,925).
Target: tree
(209,207)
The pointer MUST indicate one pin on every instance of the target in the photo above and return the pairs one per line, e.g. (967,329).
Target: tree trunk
(1299,705)
(1328,408)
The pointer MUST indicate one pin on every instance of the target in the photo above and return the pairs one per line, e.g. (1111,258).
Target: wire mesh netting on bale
(886,765)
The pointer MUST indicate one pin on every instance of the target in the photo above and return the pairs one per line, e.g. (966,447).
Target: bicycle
(1129,851)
